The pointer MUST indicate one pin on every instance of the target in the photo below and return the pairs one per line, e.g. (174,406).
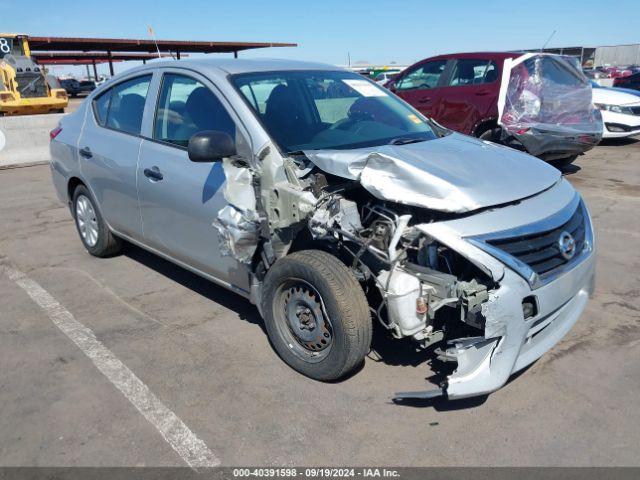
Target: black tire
(491,134)
(106,244)
(345,315)
(563,162)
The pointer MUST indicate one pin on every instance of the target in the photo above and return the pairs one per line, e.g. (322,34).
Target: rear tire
(563,162)
(491,134)
(316,315)
(92,229)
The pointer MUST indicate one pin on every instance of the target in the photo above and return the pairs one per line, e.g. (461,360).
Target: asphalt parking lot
(203,353)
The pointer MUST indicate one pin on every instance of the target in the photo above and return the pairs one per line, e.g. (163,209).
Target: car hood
(454,173)
(613,96)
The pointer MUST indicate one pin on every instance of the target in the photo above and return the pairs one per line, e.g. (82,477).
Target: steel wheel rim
(86,220)
(302,320)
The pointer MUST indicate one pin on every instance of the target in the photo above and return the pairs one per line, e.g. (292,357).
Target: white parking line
(192,450)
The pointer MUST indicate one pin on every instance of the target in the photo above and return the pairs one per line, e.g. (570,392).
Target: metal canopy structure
(114,49)
(88,58)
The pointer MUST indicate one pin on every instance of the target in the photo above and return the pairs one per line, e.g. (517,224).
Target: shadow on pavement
(220,295)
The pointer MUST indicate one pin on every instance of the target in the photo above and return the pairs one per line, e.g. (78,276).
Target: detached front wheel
(316,315)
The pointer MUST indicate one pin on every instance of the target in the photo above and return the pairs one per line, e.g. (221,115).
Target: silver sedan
(332,205)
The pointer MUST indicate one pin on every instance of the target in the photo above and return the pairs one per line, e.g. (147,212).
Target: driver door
(419,85)
(180,199)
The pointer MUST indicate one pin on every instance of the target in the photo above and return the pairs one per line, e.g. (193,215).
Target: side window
(126,105)
(473,72)
(187,107)
(101,107)
(426,75)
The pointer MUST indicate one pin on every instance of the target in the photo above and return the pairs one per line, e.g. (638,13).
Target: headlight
(614,108)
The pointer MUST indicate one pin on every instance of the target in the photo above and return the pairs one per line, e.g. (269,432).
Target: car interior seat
(129,114)
(465,74)
(203,111)
(283,115)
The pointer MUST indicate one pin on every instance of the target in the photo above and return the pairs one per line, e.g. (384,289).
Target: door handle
(86,152)
(482,92)
(153,174)
(425,100)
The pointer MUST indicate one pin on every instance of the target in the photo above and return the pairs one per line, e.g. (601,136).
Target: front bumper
(620,125)
(485,365)
(511,342)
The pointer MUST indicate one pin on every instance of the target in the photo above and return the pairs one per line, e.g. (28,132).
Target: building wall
(617,55)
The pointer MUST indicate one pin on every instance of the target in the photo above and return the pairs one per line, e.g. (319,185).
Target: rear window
(122,106)
(101,107)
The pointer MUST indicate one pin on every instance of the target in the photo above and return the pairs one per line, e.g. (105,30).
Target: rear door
(418,86)
(180,199)
(108,151)
(470,94)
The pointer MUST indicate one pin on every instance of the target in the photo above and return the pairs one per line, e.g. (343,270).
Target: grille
(31,85)
(541,251)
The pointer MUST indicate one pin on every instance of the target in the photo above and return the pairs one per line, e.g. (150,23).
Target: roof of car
(238,65)
(494,55)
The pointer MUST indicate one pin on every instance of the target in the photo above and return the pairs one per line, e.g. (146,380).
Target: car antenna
(548,40)
(153,37)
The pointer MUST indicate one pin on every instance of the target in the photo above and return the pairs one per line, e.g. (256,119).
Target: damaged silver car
(332,205)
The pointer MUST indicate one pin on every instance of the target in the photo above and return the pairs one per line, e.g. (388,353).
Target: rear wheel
(94,233)
(563,162)
(316,315)
(491,134)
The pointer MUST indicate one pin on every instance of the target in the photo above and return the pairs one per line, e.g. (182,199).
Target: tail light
(6,96)
(54,133)
(61,94)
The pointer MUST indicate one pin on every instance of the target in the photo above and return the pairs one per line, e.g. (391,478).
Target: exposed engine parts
(415,277)
(417,287)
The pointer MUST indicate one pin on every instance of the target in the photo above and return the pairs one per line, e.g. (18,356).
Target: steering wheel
(352,118)
(343,124)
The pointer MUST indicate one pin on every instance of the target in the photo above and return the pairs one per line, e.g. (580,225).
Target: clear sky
(327,30)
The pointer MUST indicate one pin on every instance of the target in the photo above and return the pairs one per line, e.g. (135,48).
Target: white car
(383,77)
(620,111)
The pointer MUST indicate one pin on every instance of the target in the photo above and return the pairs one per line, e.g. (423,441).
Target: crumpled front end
(486,286)
(541,294)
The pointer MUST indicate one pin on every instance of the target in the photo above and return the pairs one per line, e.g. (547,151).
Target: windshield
(314,110)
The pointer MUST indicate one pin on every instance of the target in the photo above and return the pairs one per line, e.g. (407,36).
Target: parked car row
(75,88)
(631,81)
(537,103)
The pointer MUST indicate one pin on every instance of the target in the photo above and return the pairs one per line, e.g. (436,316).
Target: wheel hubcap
(305,317)
(87,221)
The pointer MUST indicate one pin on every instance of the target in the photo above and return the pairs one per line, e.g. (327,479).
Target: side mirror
(210,146)
(391,85)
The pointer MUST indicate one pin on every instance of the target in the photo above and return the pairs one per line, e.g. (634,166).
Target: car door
(108,151)
(419,85)
(180,199)
(470,94)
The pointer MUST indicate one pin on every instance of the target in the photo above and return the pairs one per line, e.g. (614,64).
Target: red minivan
(461,92)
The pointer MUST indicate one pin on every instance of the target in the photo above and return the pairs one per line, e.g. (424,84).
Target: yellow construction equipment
(25,87)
